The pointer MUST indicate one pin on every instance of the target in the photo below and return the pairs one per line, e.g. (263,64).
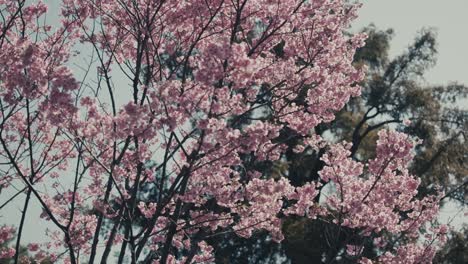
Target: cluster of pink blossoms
(153,166)
(6,233)
(381,200)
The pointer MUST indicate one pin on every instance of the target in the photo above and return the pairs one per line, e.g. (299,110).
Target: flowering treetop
(214,87)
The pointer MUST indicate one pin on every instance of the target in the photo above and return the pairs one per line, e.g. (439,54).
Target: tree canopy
(166,131)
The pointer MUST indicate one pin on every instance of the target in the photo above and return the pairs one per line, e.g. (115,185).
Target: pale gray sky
(407,17)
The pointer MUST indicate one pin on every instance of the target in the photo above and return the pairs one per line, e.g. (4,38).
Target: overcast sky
(407,17)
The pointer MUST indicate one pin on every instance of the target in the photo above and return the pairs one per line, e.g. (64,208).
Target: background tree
(455,251)
(395,92)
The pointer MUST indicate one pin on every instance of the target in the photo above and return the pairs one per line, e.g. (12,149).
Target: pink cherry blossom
(139,128)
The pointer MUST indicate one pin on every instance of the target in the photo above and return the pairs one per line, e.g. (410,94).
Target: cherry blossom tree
(139,127)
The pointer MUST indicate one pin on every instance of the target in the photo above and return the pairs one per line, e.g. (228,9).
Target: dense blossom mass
(138,126)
